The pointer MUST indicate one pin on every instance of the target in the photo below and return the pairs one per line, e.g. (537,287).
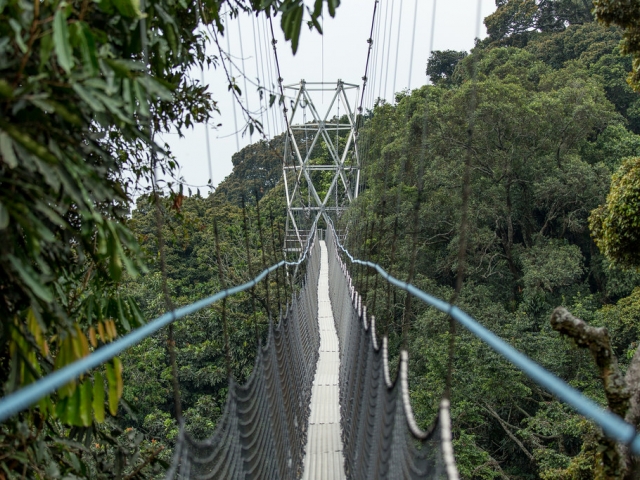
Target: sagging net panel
(380,436)
(263,430)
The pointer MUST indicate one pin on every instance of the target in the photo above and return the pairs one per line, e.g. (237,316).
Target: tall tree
(441,65)
(83,87)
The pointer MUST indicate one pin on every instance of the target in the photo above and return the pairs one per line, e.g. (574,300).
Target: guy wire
(246,90)
(366,67)
(235,116)
(206,124)
(163,270)
(386,76)
(264,260)
(273,248)
(270,69)
(466,194)
(413,42)
(382,94)
(225,325)
(407,316)
(375,26)
(264,77)
(253,289)
(395,70)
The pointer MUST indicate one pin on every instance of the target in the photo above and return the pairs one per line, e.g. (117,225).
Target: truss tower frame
(299,163)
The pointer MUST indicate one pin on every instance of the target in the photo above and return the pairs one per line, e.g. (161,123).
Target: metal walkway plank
(323,454)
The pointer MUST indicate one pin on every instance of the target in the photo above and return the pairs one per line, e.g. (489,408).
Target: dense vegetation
(553,121)
(542,112)
(83,88)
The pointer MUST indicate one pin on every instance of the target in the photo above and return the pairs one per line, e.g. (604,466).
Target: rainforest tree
(83,88)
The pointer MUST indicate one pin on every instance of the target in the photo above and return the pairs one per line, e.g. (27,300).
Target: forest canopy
(541,108)
(84,87)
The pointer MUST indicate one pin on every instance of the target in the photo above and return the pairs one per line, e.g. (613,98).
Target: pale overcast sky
(338,54)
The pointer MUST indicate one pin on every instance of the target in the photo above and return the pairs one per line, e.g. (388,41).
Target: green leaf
(98,397)
(73,409)
(115,263)
(136,313)
(128,8)
(6,149)
(50,213)
(46,406)
(156,88)
(61,409)
(18,135)
(333,4)
(42,104)
(291,24)
(85,95)
(4,217)
(113,389)
(141,95)
(86,391)
(121,315)
(31,279)
(88,49)
(17,28)
(46,47)
(61,41)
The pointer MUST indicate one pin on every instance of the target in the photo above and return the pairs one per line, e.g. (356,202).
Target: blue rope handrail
(30,394)
(612,425)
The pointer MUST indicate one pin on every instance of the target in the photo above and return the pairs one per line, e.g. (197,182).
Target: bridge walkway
(323,454)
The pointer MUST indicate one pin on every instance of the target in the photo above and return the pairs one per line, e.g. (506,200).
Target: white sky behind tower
(338,54)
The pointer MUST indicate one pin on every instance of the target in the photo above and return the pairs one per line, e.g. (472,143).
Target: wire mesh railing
(381,438)
(611,424)
(263,428)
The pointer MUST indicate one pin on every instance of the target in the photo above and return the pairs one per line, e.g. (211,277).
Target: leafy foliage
(625,15)
(616,224)
(82,87)
(441,65)
(192,275)
(514,20)
(546,137)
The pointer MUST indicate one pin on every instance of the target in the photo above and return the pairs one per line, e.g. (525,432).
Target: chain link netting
(380,436)
(262,431)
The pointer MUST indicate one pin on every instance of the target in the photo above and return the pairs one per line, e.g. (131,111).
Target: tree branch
(504,426)
(632,379)
(616,461)
(597,340)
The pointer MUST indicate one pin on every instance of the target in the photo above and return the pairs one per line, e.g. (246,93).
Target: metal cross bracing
(321,167)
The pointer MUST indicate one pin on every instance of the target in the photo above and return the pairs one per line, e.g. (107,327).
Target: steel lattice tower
(321,167)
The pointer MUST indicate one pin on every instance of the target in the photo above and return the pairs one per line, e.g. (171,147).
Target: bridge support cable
(611,424)
(262,430)
(381,438)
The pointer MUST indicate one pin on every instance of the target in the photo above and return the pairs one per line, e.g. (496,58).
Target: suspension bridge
(322,401)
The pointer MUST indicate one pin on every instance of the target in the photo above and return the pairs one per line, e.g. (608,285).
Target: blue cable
(27,396)
(612,425)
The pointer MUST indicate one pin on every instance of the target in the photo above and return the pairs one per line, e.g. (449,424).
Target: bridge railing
(380,436)
(262,431)
(612,425)
(30,394)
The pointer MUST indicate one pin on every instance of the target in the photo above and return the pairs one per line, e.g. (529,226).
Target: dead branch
(616,460)
(597,340)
